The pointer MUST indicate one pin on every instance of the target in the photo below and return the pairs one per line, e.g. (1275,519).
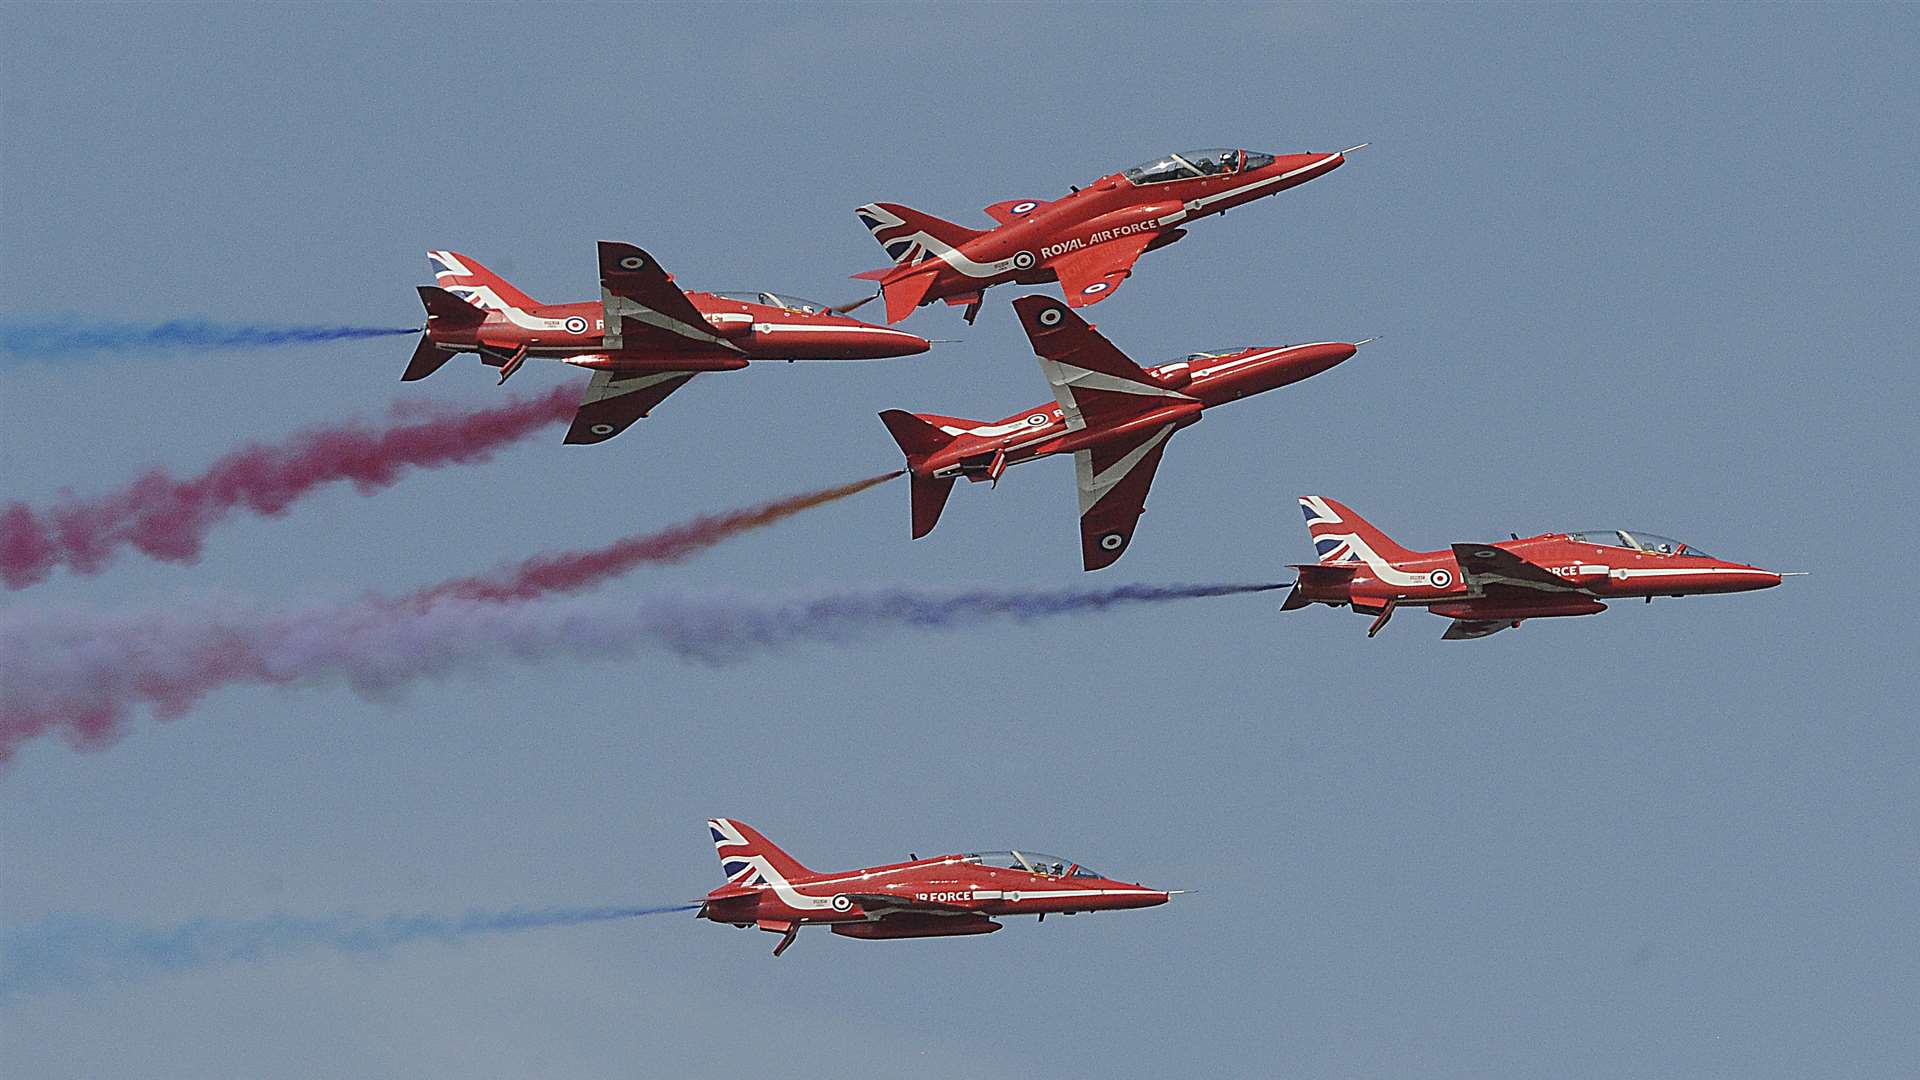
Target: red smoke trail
(81,675)
(168,518)
(566,572)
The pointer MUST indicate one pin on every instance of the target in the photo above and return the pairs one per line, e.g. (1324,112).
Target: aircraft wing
(1094,382)
(1464,629)
(645,311)
(1089,275)
(1012,210)
(1494,570)
(875,901)
(1114,478)
(613,402)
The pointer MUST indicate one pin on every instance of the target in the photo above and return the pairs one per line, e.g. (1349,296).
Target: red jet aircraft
(1486,588)
(940,897)
(1112,416)
(1087,241)
(643,339)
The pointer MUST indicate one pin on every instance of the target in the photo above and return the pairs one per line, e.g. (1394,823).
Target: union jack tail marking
(1342,536)
(463,276)
(910,236)
(746,856)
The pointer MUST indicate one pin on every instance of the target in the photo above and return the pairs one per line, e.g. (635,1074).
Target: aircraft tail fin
(919,438)
(909,235)
(748,858)
(1342,536)
(466,278)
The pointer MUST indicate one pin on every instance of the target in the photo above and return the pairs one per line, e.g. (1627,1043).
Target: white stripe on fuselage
(1677,571)
(488,299)
(799,901)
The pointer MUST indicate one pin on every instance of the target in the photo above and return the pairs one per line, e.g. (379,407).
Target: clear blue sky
(1639,266)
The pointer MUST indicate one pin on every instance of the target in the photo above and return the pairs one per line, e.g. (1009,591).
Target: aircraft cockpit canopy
(789,303)
(1032,862)
(1214,354)
(1637,541)
(1194,163)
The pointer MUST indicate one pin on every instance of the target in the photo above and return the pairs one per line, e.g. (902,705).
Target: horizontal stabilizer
(1318,579)
(929,498)
(916,437)
(441,304)
(427,359)
(905,293)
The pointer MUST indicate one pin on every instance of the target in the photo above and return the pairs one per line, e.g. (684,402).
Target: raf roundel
(601,429)
(1023,260)
(1037,419)
(1050,317)
(1440,579)
(576,325)
(1112,542)
(632,262)
(1024,208)
(1095,289)
(842,902)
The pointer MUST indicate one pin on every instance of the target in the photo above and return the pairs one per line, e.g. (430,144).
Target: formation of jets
(646,337)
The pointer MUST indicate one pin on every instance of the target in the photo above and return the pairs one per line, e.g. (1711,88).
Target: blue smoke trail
(66,337)
(81,673)
(69,952)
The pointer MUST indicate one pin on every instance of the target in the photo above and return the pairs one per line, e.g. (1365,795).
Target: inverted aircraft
(944,896)
(643,339)
(1087,240)
(1489,587)
(1113,416)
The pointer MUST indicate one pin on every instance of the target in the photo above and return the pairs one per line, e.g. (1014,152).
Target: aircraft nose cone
(911,344)
(1738,577)
(1314,359)
(883,341)
(1308,166)
(863,341)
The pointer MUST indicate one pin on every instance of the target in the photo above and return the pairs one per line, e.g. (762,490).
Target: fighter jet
(1488,587)
(945,896)
(1114,418)
(1087,240)
(643,339)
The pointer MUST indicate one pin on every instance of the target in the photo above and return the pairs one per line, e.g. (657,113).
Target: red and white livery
(1088,240)
(643,339)
(1113,416)
(1488,587)
(945,896)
